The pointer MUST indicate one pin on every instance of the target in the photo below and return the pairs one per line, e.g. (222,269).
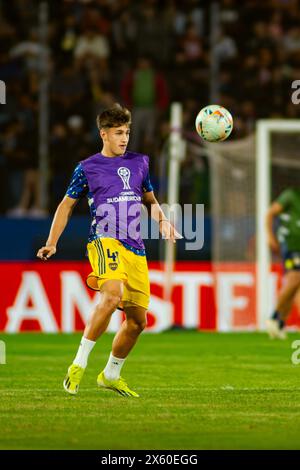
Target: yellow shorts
(111,260)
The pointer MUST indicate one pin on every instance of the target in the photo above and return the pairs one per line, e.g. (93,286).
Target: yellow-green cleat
(274,331)
(118,385)
(73,379)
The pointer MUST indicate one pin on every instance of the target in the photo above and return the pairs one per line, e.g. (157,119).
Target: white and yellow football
(214,123)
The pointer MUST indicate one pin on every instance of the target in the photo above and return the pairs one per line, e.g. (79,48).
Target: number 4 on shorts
(114,256)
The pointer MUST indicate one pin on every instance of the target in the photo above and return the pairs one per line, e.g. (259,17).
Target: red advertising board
(53,297)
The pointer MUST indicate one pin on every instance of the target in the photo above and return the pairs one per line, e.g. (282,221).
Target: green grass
(198,391)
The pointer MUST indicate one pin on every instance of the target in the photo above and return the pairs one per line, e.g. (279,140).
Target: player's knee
(137,325)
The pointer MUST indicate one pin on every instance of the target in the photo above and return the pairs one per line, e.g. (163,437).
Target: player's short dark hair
(115,116)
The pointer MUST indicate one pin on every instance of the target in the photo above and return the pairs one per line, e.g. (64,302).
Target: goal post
(264,130)
(176,156)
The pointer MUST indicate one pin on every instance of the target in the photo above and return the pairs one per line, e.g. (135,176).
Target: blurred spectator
(291,42)
(70,143)
(144,90)
(261,37)
(78,141)
(92,50)
(96,18)
(59,162)
(225,48)
(20,152)
(154,38)
(31,50)
(69,35)
(68,91)
(124,31)
(191,45)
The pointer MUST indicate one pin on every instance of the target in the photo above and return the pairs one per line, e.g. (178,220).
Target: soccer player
(287,240)
(116,183)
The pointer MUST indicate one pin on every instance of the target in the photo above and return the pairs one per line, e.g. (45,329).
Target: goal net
(246,175)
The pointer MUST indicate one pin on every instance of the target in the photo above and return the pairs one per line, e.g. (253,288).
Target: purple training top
(114,187)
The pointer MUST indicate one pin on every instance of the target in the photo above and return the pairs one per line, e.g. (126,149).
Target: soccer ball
(214,123)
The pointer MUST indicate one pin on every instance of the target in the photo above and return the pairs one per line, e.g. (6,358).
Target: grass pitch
(198,391)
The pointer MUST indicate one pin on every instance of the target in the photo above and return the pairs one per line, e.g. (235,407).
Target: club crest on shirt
(124,174)
(113,266)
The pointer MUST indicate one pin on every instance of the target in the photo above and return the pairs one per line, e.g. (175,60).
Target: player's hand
(168,231)
(46,252)
(273,244)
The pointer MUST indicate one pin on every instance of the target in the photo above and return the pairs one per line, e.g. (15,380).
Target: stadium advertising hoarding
(53,297)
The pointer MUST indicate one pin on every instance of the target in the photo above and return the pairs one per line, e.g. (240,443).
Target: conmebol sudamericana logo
(124,174)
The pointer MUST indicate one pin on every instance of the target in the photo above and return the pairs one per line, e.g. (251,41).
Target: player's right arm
(77,189)
(274,210)
(60,220)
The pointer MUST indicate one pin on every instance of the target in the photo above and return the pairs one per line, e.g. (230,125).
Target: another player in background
(116,183)
(286,241)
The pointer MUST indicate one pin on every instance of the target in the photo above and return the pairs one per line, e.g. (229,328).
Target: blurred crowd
(143,54)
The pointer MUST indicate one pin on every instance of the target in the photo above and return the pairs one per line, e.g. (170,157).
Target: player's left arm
(166,228)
